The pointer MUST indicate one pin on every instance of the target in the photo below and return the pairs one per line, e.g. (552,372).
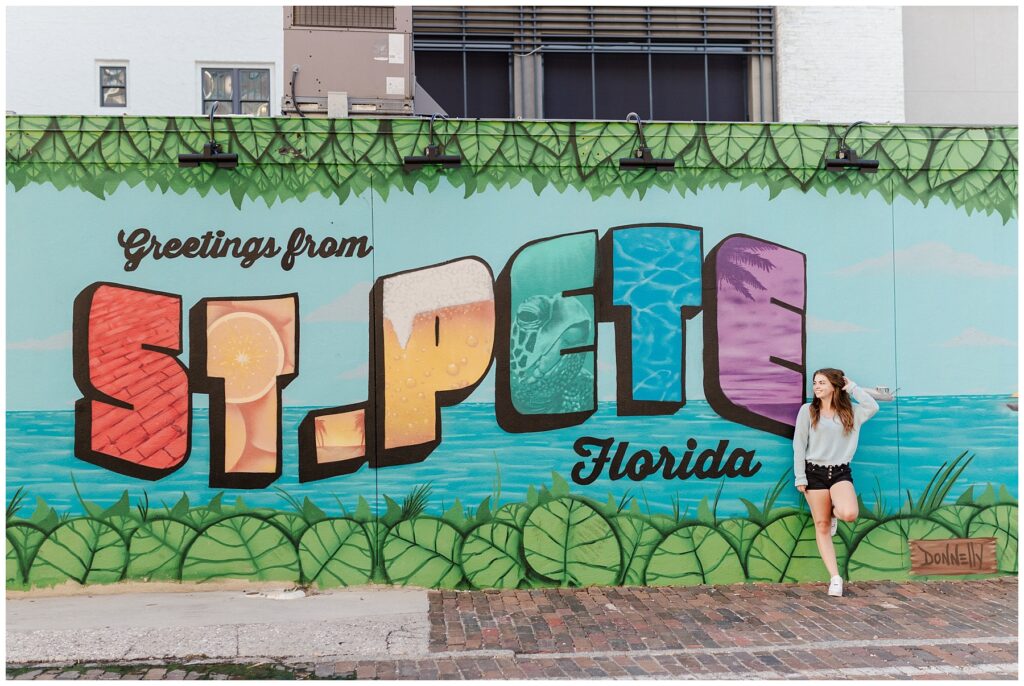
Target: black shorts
(821,478)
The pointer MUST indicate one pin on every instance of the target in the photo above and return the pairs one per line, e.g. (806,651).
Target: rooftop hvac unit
(348,61)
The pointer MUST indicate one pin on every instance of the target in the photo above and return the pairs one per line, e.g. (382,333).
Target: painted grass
(553,538)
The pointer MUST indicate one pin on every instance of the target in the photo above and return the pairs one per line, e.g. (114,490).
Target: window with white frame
(113,85)
(236,90)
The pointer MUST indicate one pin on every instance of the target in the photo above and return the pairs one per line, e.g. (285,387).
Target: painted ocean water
(900,449)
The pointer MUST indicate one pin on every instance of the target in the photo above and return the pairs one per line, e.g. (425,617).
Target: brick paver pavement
(880,630)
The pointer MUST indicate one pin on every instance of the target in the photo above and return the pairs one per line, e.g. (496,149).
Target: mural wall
(536,369)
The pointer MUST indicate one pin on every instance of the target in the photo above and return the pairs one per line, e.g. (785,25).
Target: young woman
(823,445)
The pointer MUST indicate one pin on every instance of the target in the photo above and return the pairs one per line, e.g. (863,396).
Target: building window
(666,86)
(602,62)
(238,91)
(470,83)
(113,86)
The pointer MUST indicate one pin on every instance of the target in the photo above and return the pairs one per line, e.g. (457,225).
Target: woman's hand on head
(847,384)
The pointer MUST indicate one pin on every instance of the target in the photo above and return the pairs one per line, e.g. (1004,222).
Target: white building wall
(840,64)
(960,65)
(54,53)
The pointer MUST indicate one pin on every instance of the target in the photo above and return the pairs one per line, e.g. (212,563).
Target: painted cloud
(975,337)
(816,325)
(352,306)
(58,341)
(932,257)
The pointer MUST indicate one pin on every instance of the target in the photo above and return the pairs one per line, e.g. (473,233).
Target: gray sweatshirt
(826,444)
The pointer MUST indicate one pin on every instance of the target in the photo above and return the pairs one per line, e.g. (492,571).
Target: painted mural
(536,369)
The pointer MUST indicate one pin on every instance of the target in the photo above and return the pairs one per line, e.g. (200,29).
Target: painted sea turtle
(544,381)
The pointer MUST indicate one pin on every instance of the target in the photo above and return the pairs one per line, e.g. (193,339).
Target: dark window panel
(217,84)
(487,78)
(223,108)
(727,87)
(678,83)
(254,84)
(622,86)
(440,74)
(567,86)
(112,76)
(114,97)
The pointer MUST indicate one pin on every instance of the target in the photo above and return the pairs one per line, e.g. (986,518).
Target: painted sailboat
(882,393)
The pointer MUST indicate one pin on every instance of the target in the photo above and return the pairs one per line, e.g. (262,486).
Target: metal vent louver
(343,17)
(748,28)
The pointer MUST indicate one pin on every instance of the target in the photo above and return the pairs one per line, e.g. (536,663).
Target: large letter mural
(136,414)
(651,285)
(432,335)
(435,331)
(546,342)
(243,352)
(754,333)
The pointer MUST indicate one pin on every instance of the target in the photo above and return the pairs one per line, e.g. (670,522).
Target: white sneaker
(833,527)
(835,587)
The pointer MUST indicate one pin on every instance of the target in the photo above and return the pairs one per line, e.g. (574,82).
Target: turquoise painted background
(919,296)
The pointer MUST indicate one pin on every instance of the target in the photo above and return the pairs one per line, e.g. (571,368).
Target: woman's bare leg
(844,501)
(820,501)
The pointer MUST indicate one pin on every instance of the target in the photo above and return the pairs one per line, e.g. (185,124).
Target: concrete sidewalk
(958,630)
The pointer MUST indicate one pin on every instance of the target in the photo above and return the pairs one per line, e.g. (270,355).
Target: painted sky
(947,279)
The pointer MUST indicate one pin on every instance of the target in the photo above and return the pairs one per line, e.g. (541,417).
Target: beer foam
(426,290)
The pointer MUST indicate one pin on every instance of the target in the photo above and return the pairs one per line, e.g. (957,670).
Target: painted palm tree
(737,262)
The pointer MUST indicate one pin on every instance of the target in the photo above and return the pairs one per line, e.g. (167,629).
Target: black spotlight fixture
(643,159)
(433,154)
(211,152)
(846,157)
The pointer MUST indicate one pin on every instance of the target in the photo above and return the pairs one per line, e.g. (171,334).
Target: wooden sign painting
(953,556)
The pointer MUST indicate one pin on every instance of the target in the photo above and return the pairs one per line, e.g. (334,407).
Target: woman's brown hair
(841,404)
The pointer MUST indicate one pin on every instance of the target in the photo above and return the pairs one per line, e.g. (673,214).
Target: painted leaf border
(974,169)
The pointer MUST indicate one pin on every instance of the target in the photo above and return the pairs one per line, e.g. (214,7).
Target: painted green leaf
(729,143)
(85,550)
(123,524)
(26,539)
(377,531)
(81,134)
(883,552)
(147,135)
(801,148)
(955,517)
(513,514)
(21,138)
(491,556)
(786,551)
(336,552)
(864,138)
(241,546)
(669,140)
(570,542)
(156,548)
(290,522)
(14,575)
(601,143)
(957,151)
(1000,522)
(739,533)
(252,139)
(423,551)
(694,554)
(482,142)
(412,136)
(201,517)
(638,538)
(907,148)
